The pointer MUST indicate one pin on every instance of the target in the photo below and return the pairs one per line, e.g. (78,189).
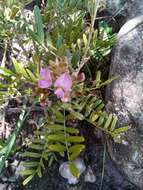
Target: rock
(130,25)
(124,98)
(126,8)
(18,168)
(3,186)
(116,6)
(89,176)
(21,47)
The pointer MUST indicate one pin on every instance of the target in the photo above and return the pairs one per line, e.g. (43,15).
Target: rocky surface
(125,98)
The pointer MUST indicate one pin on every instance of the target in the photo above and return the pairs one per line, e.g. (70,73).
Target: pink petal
(59,93)
(45,74)
(64,81)
(44,83)
(65,97)
(81,77)
(46,78)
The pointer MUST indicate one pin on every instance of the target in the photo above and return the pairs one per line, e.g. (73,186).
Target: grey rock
(89,175)
(22,47)
(127,8)
(18,168)
(3,186)
(22,50)
(130,25)
(116,6)
(124,98)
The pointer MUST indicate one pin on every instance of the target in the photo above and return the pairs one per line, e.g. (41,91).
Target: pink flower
(46,78)
(63,86)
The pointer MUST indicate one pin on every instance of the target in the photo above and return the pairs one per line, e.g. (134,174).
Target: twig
(93,17)
(3,65)
(4,55)
(103,166)
(10,111)
(65,135)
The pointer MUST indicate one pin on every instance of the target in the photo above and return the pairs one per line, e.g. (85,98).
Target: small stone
(89,176)
(19,168)
(3,186)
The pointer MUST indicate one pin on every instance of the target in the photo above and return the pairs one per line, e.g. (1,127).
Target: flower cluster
(62,85)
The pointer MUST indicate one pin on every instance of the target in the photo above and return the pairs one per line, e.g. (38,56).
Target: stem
(65,135)
(93,17)
(103,166)
(4,55)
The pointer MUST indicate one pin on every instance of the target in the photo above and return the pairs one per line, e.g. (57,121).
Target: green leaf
(34,36)
(89,108)
(27,172)
(113,125)
(28,179)
(72,130)
(51,160)
(74,170)
(75,139)
(79,43)
(55,127)
(42,164)
(12,139)
(32,154)
(77,147)
(59,116)
(85,40)
(108,121)
(59,41)
(30,164)
(77,115)
(97,103)
(121,130)
(36,146)
(41,141)
(14,11)
(84,102)
(75,154)
(31,76)
(39,24)
(93,117)
(100,107)
(100,121)
(18,67)
(57,148)
(98,78)
(59,137)
(6,71)
(39,172)
(108,81)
